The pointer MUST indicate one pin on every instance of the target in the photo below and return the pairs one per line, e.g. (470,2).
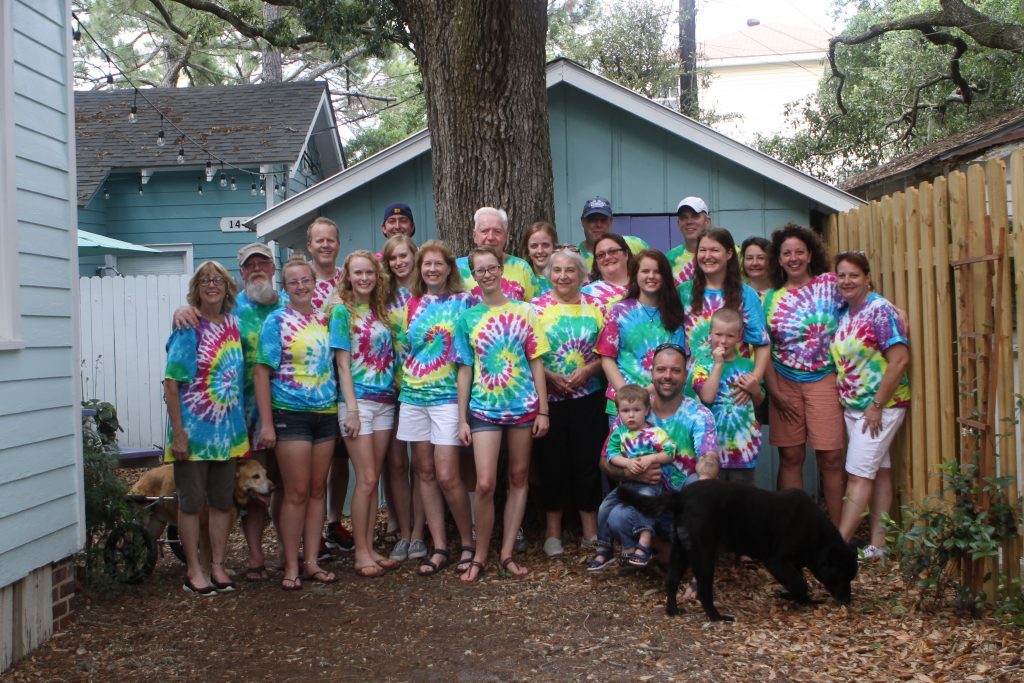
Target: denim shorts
(313,427)
(477,424)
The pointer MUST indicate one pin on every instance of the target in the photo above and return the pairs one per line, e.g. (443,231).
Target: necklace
(647,311)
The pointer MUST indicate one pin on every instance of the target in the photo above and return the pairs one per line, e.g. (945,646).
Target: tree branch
(245,28)
(168,19)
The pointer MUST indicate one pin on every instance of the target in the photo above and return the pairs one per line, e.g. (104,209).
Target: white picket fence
(125,324)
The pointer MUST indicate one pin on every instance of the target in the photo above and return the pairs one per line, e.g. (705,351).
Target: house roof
(283,217)
(954,149)
(767,40)
(245,125)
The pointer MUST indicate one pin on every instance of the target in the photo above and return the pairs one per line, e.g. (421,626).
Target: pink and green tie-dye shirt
(368,340)
(801,323)
(324,290)
(430,371)
(572,331)
(604,293)
(297,347)
(858,349)
(206,361)
(499,344)
(630,334)
(683,263)
(739,433)
(631,444)
(518,280)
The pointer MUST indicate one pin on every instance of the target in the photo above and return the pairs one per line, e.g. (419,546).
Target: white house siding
(41,501)
(758,92)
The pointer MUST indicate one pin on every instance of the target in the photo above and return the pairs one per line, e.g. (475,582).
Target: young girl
(365,358)
(498,345)
(539,241)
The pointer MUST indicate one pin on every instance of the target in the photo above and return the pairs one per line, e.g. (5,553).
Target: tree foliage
(905,73)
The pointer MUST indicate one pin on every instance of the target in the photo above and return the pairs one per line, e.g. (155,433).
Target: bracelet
(542,414)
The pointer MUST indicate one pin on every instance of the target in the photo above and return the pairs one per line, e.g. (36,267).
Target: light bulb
(253,190)
(181,155)
(160,139)
(234,185)
(133,114)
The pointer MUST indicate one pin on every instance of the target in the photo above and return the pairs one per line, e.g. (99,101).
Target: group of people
(601,363)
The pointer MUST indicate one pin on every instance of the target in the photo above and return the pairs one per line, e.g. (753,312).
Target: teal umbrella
(91,244)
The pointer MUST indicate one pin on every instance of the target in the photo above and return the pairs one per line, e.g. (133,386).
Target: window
(176,259)
(10,300)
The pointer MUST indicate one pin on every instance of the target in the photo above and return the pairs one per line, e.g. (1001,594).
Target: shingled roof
(241,124)
(945,153)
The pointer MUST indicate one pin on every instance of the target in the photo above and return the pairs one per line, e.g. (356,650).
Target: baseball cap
(398,209)
(255,248)
(597,205)
(695,203)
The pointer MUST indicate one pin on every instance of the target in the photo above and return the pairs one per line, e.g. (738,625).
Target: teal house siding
(605,140)
(41,497)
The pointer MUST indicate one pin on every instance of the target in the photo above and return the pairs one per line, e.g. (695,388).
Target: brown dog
(251,486)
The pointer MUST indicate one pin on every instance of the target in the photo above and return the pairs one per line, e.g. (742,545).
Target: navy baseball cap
(597,205)
(398,209)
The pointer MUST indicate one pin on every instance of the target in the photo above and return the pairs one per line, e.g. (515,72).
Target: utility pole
(688,102)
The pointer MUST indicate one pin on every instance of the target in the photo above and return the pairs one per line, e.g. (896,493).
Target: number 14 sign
(234,224)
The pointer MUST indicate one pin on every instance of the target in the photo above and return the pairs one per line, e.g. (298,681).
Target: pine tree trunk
(482,63)
(272,62)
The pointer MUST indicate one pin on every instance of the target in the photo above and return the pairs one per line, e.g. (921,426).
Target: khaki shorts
(202,482)
(820,417)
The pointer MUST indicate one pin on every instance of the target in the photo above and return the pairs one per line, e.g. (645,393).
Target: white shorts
(437,424)
(373,416)
(865,454)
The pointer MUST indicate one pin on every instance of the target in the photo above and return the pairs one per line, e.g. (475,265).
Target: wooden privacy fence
(945,253)
(125,325)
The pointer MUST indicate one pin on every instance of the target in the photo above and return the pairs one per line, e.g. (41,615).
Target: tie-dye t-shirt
(543,285)
(683,263)
(396,310)
(635,244)
(571,331)
(626,443)
(698,327)
(630,334)
(801,322)
(206,361)
(692,430)
(499,344)
(369,342)
(324,290)
(858,350)
(297,347)
(739,433)
(517,279)
(607,294)
(251,317)
(430,371)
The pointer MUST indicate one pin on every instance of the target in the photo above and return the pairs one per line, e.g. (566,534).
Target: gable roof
(954,150)
(769,39)
(245,125)
(284,216)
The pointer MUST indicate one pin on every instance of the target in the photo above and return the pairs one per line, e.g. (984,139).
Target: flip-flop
(369,571)
(223,587)
(255,574)
(434,568)
(388,564)
(510,560)
(291,584)
(321,576)
(479,566)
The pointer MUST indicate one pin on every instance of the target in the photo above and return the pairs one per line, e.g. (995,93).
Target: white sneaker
(400,553)
(553,547)
(872,552)
(417,549)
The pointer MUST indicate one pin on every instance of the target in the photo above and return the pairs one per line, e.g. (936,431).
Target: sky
(719,17)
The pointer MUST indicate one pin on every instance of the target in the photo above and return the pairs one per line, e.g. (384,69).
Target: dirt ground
(556,624)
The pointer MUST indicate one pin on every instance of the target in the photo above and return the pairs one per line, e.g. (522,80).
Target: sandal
(463,562)
(523,571)
(321,576)
(259,573)
(477,567)
(370,571)
(291,584)
(600,560)
(640,557)
(386,563)
(434,567)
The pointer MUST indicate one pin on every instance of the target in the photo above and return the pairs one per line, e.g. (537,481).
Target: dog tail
(653,506)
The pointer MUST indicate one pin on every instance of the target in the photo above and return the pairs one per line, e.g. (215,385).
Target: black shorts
(313,427)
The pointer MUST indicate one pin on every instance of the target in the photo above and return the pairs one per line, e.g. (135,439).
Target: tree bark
(689,103)
(273,71)
(482,63)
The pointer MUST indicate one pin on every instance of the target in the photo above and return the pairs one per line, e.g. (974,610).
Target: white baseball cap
(695,203)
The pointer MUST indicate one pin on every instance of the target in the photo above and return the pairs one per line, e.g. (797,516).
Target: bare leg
(426,484)
(485,453)
(791,467)
(446,469)
(188,533)
(588,520)
(295,459)
(315,505)
(398,489)
(219,527)
(858,492)
(833,481)
(881,501)
(360,449)
(337,485)
(553,525)
(520,443)
(253,523)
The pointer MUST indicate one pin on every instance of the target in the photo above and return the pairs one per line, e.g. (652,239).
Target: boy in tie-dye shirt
(698,326)
(724,381)
(206,362)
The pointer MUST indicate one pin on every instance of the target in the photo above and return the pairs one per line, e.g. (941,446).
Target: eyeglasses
(214,280)
(614,251)
(568,247)
(668,345)
(485,270)
(304,282)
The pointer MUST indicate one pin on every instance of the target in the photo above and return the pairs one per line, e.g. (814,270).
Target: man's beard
(260,291)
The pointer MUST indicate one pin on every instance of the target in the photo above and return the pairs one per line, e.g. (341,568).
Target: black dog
(784,530)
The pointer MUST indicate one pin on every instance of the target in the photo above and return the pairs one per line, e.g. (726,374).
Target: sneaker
(520,546)
(417,549)
(871,552)
(553,547)
(339,538)
(400,553)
